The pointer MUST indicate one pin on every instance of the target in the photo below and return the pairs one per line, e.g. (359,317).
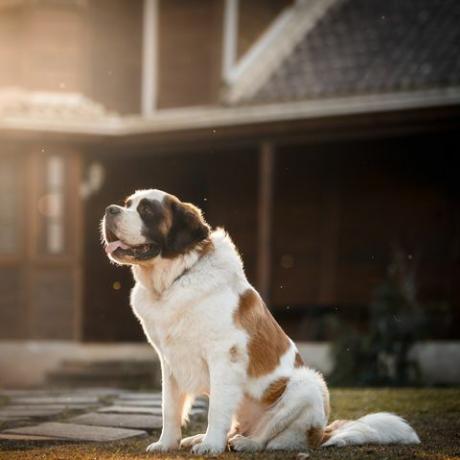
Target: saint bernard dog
(215,336)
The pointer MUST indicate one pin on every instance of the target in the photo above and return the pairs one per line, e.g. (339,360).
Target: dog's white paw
(207,448)
(241,443)
(160,446)
(191,441)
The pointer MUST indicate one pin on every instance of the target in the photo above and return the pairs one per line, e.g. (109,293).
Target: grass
(434,413)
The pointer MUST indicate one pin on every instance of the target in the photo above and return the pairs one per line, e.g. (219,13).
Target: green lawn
(434,413)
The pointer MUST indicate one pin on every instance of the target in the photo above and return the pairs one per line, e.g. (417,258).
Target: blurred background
(322,134)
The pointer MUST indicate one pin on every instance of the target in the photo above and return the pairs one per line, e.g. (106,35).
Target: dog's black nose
(112,210)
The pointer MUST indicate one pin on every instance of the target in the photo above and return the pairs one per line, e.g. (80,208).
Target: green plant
(396,319)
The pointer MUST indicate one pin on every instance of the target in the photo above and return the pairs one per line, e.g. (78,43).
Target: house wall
(340,213)
(43,46)
(191,77)
(254,16)
(95,48)
(115,53)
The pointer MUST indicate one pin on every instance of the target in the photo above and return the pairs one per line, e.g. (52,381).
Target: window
(51,205)
(10,206)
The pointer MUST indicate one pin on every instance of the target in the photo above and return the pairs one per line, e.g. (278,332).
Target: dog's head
(152,223)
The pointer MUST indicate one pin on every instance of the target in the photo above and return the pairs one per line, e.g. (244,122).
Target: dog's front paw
(241,443)
(207,448)
(161,446)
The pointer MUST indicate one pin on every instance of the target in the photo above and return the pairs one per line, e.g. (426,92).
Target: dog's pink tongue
(114,245)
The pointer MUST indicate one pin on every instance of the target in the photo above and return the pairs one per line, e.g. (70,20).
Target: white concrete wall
(439,361)
(26,363)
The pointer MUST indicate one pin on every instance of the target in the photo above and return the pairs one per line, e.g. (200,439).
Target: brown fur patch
(326,437)
(186,228)
(205,247)
(274,391)
(166,223)
(249,413)
(267,341)
(315,436)
(335,425)
(298,362)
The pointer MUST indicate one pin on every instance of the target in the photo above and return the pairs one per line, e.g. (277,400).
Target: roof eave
(197,118)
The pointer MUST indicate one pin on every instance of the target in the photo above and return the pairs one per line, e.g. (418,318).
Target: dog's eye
(144,207)
(128,203)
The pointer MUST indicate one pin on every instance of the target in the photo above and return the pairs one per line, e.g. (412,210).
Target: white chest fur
(175,337)
(191,321)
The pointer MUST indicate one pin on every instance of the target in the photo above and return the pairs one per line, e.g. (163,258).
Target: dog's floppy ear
(188,228)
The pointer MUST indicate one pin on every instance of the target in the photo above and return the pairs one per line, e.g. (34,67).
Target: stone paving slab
(24,437)
(92,391)
(141,396)
(153,402)
(12,418)
(11,411)
(46,406)
(139,421)
(131,410)
(143,410)
(140,403)
(13,393)
(98,391)
(63,399)
(76,432)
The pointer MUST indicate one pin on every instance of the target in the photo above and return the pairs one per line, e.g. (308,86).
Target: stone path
(97,415)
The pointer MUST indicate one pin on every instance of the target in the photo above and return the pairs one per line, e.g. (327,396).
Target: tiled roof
(364,47)
(49,105)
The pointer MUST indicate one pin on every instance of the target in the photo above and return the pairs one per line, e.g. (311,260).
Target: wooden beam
(264,220)
(329,241)
(230,37)
(149,58)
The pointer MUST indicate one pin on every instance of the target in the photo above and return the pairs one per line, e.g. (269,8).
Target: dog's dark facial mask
(154,219)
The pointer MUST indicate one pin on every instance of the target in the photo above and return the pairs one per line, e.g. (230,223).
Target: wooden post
(149,57)
(229,48)
(264,218)
(329,241)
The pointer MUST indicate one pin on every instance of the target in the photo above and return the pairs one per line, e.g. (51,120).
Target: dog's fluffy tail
(379,428)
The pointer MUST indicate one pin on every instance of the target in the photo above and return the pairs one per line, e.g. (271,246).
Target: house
(320,133)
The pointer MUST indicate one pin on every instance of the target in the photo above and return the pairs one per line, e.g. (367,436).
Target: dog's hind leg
(277,420)
(292,438)
(290,423)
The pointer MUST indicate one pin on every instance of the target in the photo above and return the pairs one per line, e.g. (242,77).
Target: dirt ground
(434,413)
